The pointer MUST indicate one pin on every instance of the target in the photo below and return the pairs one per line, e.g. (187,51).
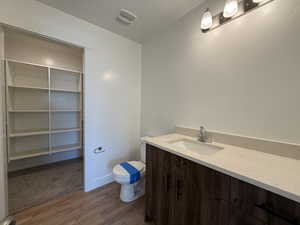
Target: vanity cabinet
(181,192)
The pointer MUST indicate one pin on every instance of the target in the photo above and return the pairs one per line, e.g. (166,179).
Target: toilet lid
(120,171)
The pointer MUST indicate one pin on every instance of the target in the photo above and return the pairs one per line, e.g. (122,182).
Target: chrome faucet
(203,137)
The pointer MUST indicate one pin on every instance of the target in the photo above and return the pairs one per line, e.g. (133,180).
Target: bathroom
(177,113)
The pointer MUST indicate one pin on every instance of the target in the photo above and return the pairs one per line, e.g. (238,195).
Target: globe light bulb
(231,8)
(207,20)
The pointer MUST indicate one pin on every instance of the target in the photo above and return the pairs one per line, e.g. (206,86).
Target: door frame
(4,212)
(3,152)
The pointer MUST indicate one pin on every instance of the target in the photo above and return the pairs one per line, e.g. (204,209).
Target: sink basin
(195,146)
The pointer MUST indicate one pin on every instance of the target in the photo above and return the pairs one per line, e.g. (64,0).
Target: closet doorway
(44,115)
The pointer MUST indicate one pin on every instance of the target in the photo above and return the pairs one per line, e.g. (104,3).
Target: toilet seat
(122,176)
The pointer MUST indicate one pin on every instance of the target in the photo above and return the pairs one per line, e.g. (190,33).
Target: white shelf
(42,132)
(28,111)
(65,90)
(65,148)
(29,154)
(42,110)
(28,133)
(46,151)
(57,131)
(28,87)
(65,110)
(45,66)
(44,89)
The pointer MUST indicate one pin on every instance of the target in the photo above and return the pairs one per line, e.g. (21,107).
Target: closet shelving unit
(44,109)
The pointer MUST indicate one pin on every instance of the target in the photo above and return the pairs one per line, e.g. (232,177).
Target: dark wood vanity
(181,192)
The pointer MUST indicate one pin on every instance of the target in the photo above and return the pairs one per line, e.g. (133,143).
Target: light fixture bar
(245,6)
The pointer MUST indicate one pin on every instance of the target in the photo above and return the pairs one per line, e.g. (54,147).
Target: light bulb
(231,8)
(207,20)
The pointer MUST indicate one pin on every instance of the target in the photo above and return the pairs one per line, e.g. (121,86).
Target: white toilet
(131,192)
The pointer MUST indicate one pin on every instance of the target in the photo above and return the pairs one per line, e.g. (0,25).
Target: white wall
(242,78)
(3,197)
(112,82)
(24,46)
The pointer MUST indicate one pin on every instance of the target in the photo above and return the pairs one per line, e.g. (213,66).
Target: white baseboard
(99,182)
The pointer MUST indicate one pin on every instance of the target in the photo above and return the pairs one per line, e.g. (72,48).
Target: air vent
(126,16)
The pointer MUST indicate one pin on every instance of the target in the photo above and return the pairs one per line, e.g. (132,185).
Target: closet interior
(44,109)
(44,93)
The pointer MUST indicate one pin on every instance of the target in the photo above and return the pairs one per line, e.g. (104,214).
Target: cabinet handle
(271,212)
(177,162)
(178,194)
(168,183)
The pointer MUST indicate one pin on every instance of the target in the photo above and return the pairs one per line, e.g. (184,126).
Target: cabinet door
(151,189)
(251,205)
(244,201)
(282,211)
(180,198)
(201,195)
(159,186)
(165,185)
(212,193)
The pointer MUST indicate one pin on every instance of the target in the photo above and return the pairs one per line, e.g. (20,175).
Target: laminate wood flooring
(31,187)
(98,207)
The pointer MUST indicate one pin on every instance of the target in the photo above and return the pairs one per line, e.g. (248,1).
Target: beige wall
(242,78)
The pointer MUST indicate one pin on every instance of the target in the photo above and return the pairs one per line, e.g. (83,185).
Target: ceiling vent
(126,16)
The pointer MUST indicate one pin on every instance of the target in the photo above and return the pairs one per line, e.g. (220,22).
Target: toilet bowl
(130,192)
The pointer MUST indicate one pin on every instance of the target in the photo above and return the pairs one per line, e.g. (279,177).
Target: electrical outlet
(99,150)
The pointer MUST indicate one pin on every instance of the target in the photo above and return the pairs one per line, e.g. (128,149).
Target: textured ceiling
(153,15)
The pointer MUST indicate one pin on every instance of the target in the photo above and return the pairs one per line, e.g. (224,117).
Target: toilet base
(131,192)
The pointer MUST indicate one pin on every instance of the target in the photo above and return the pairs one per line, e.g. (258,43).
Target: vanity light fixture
(233,9)
(207,20)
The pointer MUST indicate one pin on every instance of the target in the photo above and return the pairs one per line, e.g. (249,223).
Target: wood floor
(34,186)
(99,207)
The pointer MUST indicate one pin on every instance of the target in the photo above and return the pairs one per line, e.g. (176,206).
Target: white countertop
(274,173)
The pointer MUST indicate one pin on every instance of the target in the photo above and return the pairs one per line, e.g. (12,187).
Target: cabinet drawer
(263,205)
(283,209)
(207,183)
(248,216)
(244,194)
